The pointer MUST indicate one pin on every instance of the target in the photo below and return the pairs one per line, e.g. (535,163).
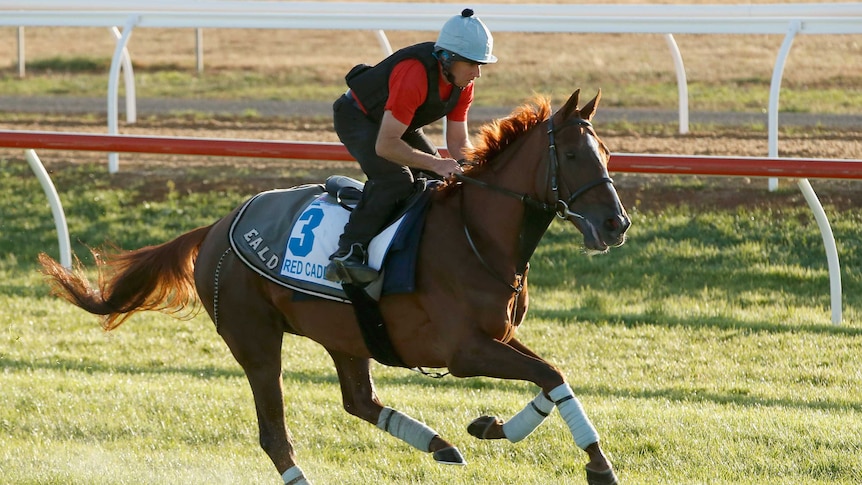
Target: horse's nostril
(618,224)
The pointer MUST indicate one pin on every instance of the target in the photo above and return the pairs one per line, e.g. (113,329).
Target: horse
(470,297)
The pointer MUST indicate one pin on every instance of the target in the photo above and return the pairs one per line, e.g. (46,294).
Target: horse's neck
(494,219)
(517,169)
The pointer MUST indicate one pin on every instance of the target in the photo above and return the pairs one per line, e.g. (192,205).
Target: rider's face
(464,72)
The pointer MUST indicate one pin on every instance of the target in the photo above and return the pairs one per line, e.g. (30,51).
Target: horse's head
(569,173)
(578,177)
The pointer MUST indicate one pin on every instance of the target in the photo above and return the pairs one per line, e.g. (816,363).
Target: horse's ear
(589,110)
(571,105)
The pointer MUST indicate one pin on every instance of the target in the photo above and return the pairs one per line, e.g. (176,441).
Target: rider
(380,118)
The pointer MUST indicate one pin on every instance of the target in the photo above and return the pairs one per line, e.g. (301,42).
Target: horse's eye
(570,155)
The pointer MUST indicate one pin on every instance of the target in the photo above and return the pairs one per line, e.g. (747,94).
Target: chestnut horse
(471,287)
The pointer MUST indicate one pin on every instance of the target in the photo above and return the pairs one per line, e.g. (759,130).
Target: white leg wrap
(528,419)
(406,429)
(294,476)
(573,414)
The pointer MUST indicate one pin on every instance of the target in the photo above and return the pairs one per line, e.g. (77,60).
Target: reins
(524,198)
(519,276)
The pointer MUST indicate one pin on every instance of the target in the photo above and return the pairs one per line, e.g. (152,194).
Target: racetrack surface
(273,108)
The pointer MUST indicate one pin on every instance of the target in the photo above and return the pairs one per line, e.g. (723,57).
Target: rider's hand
(448,167)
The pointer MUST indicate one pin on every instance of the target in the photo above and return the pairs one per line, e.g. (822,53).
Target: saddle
(287,235)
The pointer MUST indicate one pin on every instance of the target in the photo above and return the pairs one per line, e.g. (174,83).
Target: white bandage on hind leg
(406,429)
(526,421)
(294,476)
(573,414)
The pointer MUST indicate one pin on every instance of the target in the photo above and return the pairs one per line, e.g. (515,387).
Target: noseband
(534,227)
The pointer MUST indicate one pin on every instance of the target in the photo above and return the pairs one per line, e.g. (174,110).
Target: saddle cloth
(287,235)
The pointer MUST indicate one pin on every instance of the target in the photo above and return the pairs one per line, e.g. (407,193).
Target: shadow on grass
(324,375)
(92,368)
(327,375)
(723,323)
(703,396)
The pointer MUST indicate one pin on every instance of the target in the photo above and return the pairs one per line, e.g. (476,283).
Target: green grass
(702,350)
(84,76)
(291,86)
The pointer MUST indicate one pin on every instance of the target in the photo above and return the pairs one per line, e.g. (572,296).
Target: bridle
(539,214)
(563,209)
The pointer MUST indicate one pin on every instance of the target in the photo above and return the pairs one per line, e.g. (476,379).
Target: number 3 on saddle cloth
(287,235)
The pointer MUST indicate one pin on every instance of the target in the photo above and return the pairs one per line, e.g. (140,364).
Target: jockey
(380,118)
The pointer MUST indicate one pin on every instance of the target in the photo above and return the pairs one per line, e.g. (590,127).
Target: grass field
(701,349)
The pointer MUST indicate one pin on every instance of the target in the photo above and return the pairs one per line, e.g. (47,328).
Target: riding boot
(349,264)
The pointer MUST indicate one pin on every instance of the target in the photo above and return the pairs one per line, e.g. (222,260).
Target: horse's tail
(157,278)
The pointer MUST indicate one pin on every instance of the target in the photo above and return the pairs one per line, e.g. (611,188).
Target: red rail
(620,162)
(174,145)
(737,166)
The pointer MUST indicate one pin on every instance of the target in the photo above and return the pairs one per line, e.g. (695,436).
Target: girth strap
(373,327)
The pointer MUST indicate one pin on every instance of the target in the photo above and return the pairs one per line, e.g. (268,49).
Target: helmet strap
(446,58)
(449,76)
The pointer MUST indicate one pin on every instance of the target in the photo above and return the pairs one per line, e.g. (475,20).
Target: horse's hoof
(607,477)
(449,456)
(486,428)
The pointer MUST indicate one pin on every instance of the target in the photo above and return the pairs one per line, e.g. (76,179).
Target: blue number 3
(301,245)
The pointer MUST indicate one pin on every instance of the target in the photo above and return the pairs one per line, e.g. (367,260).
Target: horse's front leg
(483,356)
(360,400)
(523,423)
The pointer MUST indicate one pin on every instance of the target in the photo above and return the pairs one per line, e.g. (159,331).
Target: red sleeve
(408,88)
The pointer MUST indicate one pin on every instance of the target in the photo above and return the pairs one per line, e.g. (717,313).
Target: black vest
(370,85)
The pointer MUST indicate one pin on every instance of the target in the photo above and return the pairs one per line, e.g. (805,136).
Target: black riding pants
(389,184)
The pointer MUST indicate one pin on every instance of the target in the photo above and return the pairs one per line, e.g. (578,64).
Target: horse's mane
(496,135)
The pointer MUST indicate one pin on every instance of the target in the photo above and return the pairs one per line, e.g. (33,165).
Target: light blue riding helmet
(466,36)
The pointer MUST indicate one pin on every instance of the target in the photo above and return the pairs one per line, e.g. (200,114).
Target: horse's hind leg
(360,400)
(255,342)
(253,331)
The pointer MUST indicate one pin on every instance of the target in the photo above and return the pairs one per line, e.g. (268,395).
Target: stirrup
(339,272)
(356,252)
(350,268)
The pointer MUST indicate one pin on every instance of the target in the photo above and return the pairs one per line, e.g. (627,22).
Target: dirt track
(726,134)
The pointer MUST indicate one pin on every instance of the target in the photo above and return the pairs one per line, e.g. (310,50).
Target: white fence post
(120,53)
(775,91)
(21,58)
(56,207)
(831,249)
(199,50)
(681,83)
